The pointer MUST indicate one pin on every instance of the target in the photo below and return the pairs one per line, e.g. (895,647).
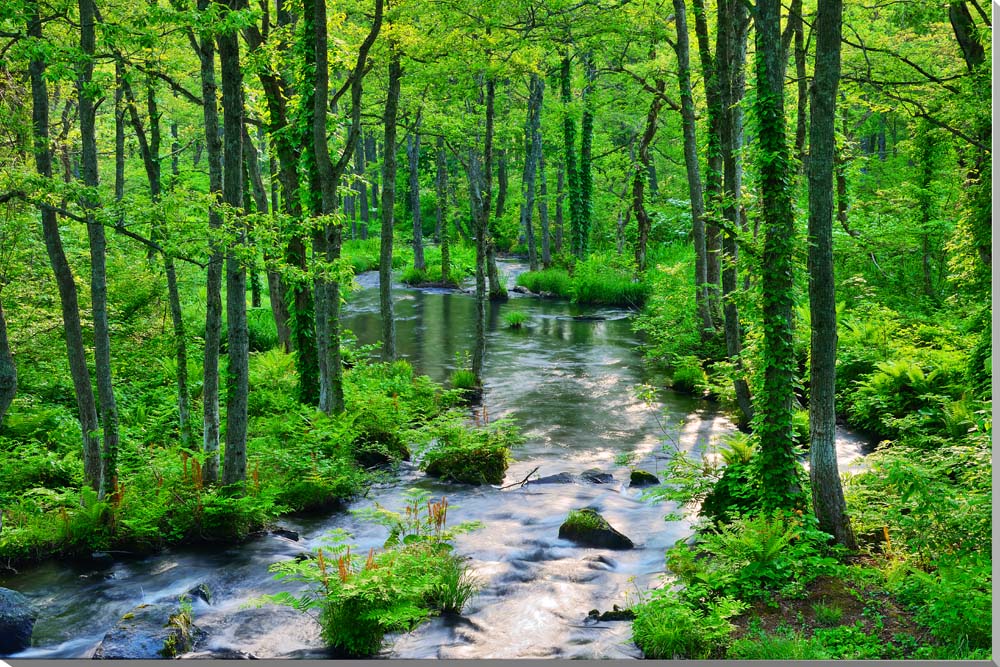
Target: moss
(586,519)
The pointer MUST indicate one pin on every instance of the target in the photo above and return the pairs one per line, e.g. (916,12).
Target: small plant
(827,615)
(668,627)
(515,319)
(463,378)
(688,376)
(471,456)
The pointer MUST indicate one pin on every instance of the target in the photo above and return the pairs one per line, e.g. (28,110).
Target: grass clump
(668,626)
(688,375)
(470,456)
(515,319)
(360,598)
(553,281)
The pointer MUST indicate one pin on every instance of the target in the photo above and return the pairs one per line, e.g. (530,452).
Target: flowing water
(568,377)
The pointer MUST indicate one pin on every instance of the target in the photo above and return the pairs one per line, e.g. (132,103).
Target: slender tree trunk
(639,178)
(560,195)
(802,82)
(827,493)
(361,188)
(576,231)
(234,465)
(713,164)
(683,49)
(497,290)
(441,221)
(413,156)
(371,157)
(8,371)
(777,471)
(119,139)
(586,145)
(479,230)
(98,255)
(388,202)
(543,207)
(729,63)
(502,183)
(532,151)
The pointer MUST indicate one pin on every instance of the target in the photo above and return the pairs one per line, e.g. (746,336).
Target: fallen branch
(522,482)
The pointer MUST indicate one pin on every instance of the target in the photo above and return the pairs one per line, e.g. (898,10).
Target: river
(568,377)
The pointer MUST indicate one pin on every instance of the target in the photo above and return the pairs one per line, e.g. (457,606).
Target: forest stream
(568,378)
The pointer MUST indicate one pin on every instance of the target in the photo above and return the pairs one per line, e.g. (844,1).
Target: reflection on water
(569,381)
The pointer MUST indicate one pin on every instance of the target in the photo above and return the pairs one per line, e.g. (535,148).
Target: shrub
(604,280)
(688,375)
(667,627)
(360,599)
(261,330)
(776,647)
(471,456)
(463,378)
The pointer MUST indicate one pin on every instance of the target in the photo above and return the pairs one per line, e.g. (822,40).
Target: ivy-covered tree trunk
(560,196)
(827,493)
(498,291)
(389,120)
(586,147)
(234,465)
(413,157)
(502,183)
(777,461)
(98,253)
(532,151)
(683,50)
(572,174)
(479,231)
(361,188)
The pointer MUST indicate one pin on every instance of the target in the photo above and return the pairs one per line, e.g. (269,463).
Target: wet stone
(17,620)
(597,476)
(559,478)
(641,478)
(588,528)
(286,533)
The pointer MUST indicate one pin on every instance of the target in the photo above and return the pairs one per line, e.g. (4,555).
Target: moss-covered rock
(643,478)
(17,619)
(588,528)
(150,631)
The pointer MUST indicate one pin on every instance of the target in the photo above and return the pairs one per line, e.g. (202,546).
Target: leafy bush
(261,330)
(471,456)
(360,599)
(668,627)
(688,375)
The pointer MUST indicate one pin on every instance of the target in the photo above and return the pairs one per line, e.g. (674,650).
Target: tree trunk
(683,49)
(361,188)
(532,151)
(560,195)
(497,290)
(8,371)
(572,174)
(713,163)
(119,139)
(234,465)
(586,145)
(441,220)
(729,63)
(543,207)
(98,256)
(479,220)
(801,110)
(371,157)
(778,465)
(639,178)
(413,156)
(827,493)
(388,202)
(502,183)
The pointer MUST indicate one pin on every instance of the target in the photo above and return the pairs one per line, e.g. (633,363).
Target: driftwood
(523,481)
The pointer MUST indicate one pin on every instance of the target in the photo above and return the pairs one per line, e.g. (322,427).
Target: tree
(532,156)
(389,120)
(773,423)
(413,156)
(827,494)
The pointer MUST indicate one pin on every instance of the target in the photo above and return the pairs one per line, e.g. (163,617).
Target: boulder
(17,619)
(597,476)
(200,592)
(286,533)
(558,478)
(148,632)
(588,528)
(520,289)
(643,478)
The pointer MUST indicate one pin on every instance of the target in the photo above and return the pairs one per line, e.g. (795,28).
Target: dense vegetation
(793,198)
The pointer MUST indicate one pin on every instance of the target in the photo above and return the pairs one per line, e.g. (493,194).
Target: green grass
(554,281)
(515,319)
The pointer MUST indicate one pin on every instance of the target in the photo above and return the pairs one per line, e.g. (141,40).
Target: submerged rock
(150,631)
(521,289)
(616,614)
(643,478)
(17,620)
(588,528)
(558,478)
(286,533)
(200,591)
(597,476)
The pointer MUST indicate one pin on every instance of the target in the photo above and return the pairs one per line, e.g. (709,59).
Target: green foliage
(360,599)
(471,456)
(688,375)
(515,319)
(827,614)
(261,330)
(776,647)
(463,378)
(554,281)
(586,519)
(669,627)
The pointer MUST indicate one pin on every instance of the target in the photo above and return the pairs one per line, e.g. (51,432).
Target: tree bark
(98,255)
(234,464)
(543,207)
(532,151)
(8,370)
(827,493)
(361,187)
(413,157)
(777,459)
(497,290)
(572,174)
(441,196)
(586,146)
(560,195)
(389,120)
(640,175)
(502,183)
